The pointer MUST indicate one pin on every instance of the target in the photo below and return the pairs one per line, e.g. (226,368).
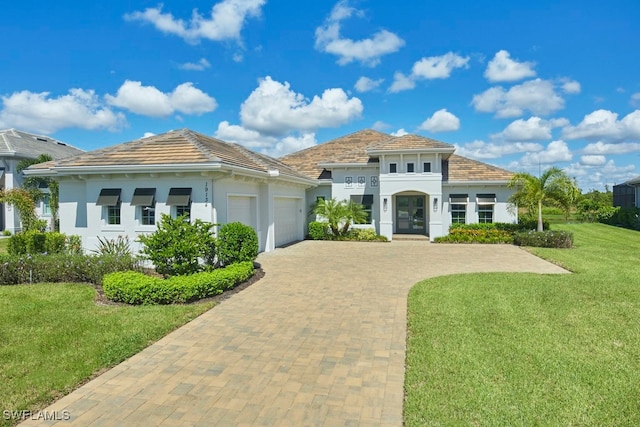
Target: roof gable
(16,143)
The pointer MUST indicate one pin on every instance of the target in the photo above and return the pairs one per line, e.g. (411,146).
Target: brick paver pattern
(318,341)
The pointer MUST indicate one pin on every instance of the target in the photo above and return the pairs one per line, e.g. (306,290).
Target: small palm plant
(121,246)
(340,214)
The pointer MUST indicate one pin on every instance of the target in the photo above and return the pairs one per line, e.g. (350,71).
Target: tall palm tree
(553,185)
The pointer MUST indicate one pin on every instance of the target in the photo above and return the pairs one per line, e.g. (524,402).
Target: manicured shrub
(476,233)
(317,230)
(180,247)
(544,239)
(236,242)
(365,234)
(15,269)
(624,217)
(137,288)
(36,242)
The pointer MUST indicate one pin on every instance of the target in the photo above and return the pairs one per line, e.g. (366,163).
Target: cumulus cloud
(604,125)
(270,145)
(365,84)
(532,129)
(433,67)
(399,132)
(489,150)
(590,176)
(593,160)
(225,22)
(537,96)
(150,101)
(39,112)
(380,126)
(612,148)
(504,69)
(274,109)
(571,86)
(201,65)
(367,51)
(556,151)
(441,121)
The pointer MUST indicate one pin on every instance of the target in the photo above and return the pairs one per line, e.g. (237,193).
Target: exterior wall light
(384,204)
(435,204)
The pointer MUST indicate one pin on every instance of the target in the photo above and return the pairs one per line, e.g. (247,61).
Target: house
(123,190)
(15,146)
(408,184)
(627,194)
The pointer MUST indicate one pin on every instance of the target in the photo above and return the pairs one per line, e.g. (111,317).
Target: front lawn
(526,349)
(54,337)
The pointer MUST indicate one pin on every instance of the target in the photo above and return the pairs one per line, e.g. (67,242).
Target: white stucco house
(408,185)
(15,146)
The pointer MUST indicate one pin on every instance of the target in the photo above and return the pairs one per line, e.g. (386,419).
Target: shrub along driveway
(320,340)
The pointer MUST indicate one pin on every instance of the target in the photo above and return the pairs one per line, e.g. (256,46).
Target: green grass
(526,349)
(3,245)
(54,337)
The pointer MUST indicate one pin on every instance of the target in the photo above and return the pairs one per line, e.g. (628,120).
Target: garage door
(288,220)
(242,209)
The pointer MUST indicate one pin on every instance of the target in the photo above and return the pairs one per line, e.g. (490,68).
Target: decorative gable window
(366,200)
(485,204)
(110,200)
(348,182)
(181,199)
(145,198)
(362,181)
(458,207)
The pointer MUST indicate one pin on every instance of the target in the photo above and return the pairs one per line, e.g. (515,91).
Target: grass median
(527,349)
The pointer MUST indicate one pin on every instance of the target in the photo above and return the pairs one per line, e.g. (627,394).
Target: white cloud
(441,121)
(537,96)
(150,101)
(225,23)
(604,124)
(39,112)
(201,65)
(365,84)
(270,145)
(274,109)
(367,51)
(635,99)
(401,82)
(399,132)
(380,126)
(433,67)
(571,86)
(609,148)
(593,160)
(598,176)
(556,151)
(532,129)
(504,69)
(489,150)
(148,134)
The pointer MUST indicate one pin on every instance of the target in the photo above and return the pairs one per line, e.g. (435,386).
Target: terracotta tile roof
(408,142)
(179,147)
(347,149)
(464,169)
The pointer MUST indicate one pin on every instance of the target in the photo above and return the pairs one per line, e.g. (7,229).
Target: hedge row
(320,231)
(136,288)
(38,242)
(16,269)
(476,235)
(544,239)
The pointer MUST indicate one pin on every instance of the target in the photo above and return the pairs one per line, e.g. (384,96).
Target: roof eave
(476,182)
(347,165)
(374,151)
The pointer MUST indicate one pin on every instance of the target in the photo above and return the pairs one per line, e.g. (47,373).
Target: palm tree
(553,185)
(34,183)
(340,214)
(354,214)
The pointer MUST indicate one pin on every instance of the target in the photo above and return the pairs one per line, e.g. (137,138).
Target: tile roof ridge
(193,137)
(250,154)
(335,140)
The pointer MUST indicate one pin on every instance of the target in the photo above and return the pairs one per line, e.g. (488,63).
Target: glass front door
(410,215)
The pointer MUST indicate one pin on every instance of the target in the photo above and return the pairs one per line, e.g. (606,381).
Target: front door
(410,214)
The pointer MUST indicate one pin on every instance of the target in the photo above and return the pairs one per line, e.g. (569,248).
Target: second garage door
(287,220)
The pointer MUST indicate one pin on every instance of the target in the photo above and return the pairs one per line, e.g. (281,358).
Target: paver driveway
(320,340)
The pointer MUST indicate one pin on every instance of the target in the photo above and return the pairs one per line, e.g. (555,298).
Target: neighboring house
(408,184)
(627,194)
(123,190)
(16,146)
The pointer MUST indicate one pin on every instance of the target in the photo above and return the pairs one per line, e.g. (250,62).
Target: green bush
(317,230)
(36,242)
(137,288)
(544,239)
(624,217)
(120,246)
(236,243)
(179,247)
(478,233)
(531,223)
(15,269)
(365,234)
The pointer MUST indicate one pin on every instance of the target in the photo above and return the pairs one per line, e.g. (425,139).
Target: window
(458,214)
(362,181)
(145,198)
(411,167)
(113,214)
(348,182)
(181,199)
(485,213)
(366,201)
(46,205)
(393,168)
(183,210)
(426,167)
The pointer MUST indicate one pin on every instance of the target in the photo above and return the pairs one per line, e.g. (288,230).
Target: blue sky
(525,87)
